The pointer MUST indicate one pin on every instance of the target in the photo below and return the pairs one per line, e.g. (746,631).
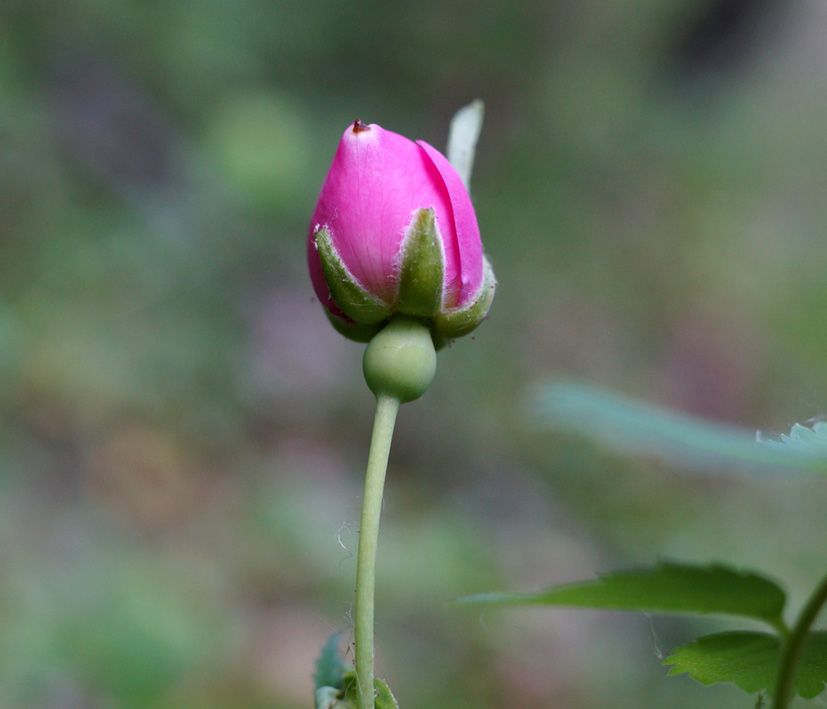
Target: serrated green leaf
(812,667)
(750,660)
(806,439)
(747,659)
(666,588)
(637,427)
(330,667)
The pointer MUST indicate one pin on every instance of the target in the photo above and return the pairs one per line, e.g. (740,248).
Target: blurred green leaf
(636,427)
(750,660)
(667,588)
(330,667)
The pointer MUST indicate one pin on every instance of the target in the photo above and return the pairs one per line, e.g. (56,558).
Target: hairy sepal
(456,322)
(353,299)
(421,267)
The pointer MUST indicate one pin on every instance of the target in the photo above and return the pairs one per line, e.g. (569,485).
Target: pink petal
(463,248)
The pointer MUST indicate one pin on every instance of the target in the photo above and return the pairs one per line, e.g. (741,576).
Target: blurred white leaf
(462,139)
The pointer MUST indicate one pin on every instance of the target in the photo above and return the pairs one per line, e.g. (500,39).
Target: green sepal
(421,267)
(456,322)
(354,300)
(353,330)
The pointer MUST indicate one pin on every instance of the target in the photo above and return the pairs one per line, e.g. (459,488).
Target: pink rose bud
(394,231)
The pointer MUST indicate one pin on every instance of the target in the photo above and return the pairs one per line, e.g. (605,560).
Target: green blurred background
(183,435)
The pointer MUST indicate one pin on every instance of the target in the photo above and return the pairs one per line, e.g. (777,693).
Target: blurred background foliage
(183,435)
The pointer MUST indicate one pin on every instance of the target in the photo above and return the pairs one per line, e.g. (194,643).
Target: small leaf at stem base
(384,698)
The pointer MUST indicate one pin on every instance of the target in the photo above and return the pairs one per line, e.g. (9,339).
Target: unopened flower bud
(394,231)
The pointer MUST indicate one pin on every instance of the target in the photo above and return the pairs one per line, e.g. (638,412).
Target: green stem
(380,445)
(792,647)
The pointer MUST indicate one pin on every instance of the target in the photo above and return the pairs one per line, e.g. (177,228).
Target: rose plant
(396,260)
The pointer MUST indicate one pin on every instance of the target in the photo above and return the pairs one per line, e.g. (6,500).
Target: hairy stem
(380,445)
(793,645)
